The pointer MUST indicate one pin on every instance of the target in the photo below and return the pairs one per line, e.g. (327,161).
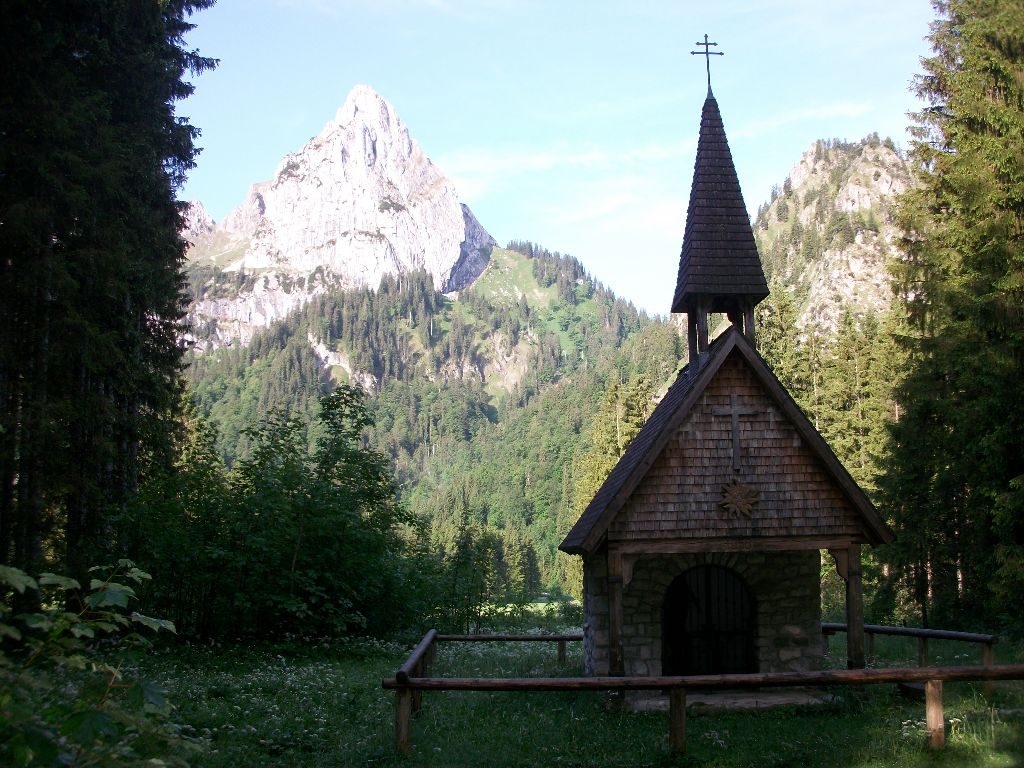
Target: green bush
(288,542)
(65,696)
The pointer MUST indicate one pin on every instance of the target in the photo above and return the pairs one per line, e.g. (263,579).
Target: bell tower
(719,269)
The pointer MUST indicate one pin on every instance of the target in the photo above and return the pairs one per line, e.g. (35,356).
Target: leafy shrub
(289,541)
(62,701)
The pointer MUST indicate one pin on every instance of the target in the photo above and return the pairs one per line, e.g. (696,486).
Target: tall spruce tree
(91,295)
(955,487)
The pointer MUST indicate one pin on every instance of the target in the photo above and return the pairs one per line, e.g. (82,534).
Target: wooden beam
(507,638)
(931,634)
(934,720)
(691,339)
(403,719)
(988,659)
(841,556)
(710,682)
(654,546)
(702,331)
(419,652)
(677,720)
(854,610)
(748,324)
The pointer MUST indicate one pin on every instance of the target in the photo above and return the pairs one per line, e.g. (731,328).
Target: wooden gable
(667,491)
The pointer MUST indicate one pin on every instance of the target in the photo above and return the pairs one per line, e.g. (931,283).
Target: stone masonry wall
(595,615)
(785,586)
(786,589)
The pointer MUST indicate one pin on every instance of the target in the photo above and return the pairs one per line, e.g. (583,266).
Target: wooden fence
(414,677)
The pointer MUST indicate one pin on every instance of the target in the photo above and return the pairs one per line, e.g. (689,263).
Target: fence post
(417,694)
(870,642)
(403,719)
(677,719)
(987,660)
(933,714)
(561,651)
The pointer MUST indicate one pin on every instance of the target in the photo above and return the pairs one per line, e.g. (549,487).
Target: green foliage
(289,540)
(619,418)
(479,403)
(62,700)
(957,454)
(90,301)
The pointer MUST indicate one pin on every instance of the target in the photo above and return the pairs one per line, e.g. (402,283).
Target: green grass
(508,273)
(322,705)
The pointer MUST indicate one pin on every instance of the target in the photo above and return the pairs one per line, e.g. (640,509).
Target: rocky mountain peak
(359,201)
(828,231)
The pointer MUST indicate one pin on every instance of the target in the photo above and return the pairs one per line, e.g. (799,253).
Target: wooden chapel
(701,550)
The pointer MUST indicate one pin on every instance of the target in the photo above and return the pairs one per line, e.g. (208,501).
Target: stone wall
(785,586)
(595,615)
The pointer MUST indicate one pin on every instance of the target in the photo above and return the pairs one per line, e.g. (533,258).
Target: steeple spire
(719,269)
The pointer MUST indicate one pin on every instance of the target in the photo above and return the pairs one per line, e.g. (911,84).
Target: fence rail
(923,635)
(414,677)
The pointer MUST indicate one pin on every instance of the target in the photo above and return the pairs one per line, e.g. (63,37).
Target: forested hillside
(504,406)
(480,398)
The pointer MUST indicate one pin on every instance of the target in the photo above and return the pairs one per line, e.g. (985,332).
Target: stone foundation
(785,586)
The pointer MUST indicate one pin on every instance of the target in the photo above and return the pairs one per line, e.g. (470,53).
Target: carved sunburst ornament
(738,500)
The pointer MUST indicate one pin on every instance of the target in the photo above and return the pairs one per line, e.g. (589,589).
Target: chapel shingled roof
(586,535)
(719,259)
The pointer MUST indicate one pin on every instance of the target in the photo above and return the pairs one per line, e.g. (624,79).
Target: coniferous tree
(955,487)
(91,294)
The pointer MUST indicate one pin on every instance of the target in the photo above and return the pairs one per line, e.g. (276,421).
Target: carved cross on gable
(734,411)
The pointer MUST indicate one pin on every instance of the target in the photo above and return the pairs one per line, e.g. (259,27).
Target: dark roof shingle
(719,258)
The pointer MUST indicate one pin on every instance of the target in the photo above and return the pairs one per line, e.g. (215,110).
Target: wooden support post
(429,658)
(825,637)
(854,610)
(987,660)
(616,664)
(870,644)
(922,651)
(417,694)
(702,331)
(677,720)
(403,719)
(933,714)
(748,324)
(561,651)
(691,340)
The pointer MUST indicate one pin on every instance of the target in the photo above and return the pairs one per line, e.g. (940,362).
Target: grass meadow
(310,704)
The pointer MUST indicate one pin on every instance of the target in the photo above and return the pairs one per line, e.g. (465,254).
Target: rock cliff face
(828,232)
(359,201)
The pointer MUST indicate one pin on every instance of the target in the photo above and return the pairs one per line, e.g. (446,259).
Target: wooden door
(708,624)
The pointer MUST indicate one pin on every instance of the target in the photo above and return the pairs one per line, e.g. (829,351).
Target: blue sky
(566,122)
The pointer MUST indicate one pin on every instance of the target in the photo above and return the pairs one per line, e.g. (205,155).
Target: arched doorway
(708,624)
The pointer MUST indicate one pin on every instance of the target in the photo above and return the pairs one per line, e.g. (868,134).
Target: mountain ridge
(828,232)
(358,201)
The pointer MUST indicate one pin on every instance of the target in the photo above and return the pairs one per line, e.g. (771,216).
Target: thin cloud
(807,114)
(474,170)
(462,9)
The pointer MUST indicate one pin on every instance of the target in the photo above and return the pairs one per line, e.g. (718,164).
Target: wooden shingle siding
(668,484)
(680,495)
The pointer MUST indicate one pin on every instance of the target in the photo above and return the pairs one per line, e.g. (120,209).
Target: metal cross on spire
(707,53)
